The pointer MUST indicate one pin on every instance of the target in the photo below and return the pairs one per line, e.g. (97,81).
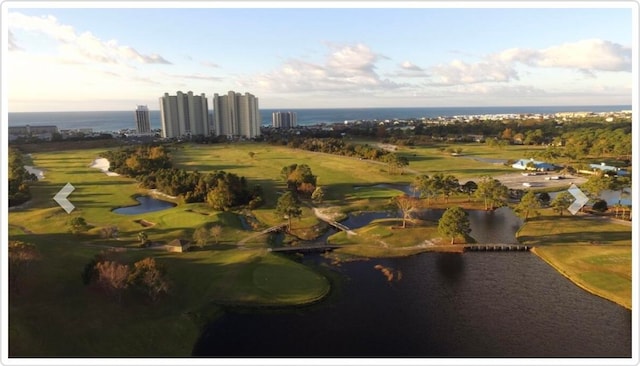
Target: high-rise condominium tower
(235,114)
(184,114)
(142,119)
(284,119)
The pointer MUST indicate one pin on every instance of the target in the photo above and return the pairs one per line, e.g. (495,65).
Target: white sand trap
(103,164)
(38,173)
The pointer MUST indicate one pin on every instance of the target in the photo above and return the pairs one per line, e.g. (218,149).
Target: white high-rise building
(284,119)
(235,114)
(184,115)
(142,119)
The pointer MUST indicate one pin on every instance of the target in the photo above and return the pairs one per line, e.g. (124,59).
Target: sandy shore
(103,165)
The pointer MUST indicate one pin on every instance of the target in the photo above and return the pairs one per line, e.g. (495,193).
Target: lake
(486,304)
(147,204)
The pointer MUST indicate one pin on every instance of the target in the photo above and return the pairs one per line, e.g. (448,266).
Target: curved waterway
(487,304)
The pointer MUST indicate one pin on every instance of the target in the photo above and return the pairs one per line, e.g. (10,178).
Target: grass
(593,253)
(387,238)
(87,322)
(55,315)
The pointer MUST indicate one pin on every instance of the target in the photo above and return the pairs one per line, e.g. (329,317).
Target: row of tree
(152,167)
(19,179)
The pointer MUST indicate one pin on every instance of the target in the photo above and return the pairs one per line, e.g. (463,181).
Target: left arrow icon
(61,198)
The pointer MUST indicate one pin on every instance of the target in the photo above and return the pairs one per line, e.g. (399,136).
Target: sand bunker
(103,165)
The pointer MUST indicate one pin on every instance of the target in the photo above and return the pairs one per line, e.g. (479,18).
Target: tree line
(19,179)
(152,167)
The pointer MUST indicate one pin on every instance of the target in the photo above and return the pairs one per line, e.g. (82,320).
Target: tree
(449,184)
(215,231)
(596,184)
(528,205)
(77,225)
(318,194)
(113,277)
(143,237)
(469,187)
(20,255)
(220,197)
(561,202)
(201,236)
(493,192)
(289,206)
(148,277)
(454,222)
(407,205)
(109,232)
(425,186)
(544,198)
(395,163)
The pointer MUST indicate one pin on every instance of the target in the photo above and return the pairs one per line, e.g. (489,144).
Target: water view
(488,304)
(147,204)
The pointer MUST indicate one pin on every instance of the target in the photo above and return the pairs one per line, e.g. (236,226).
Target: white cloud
(460,72)
(77,47)
(13,45)
(590,55)
(348,68)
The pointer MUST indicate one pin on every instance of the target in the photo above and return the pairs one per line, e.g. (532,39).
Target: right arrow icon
(61,198)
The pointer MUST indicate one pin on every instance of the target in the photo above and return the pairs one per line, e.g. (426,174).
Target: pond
(474,304)
(147,204)
(488,304)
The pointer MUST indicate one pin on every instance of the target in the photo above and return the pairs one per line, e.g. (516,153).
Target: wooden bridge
(304,248)
(496,247)
(272,229)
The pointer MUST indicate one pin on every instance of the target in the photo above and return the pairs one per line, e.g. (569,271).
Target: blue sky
(113,59)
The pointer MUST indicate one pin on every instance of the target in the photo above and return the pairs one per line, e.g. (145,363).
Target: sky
(318,55)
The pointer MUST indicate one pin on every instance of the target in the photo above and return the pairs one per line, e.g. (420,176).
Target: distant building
(236,115)
(608,168)
(184,115)
(142,120)
(530,164)
(284,119)
(41,132)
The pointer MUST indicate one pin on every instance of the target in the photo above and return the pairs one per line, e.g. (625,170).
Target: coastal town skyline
(299,57)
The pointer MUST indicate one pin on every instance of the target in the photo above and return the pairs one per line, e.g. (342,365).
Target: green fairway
(54,314)
(591,252)
(54,307)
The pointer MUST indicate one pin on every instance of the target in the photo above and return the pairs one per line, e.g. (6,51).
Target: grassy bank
(593,253)
(387,238)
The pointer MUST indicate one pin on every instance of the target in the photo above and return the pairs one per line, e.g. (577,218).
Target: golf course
(52,313)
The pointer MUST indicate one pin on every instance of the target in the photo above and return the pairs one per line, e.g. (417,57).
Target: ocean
(118,120)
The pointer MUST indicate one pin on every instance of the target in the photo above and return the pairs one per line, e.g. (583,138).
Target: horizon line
(354,108)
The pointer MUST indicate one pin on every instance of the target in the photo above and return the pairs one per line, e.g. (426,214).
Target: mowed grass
(54,314)
(593,253)
(387,238)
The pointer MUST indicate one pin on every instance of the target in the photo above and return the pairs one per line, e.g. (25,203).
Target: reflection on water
(446,305)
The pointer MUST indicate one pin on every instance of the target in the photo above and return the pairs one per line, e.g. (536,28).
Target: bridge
(271,229)
(304,248)
(496,247)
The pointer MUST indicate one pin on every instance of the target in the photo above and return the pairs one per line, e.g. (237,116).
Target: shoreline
(574,281)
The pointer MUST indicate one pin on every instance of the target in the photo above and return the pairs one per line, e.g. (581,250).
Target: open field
(54,307)
(593,253)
